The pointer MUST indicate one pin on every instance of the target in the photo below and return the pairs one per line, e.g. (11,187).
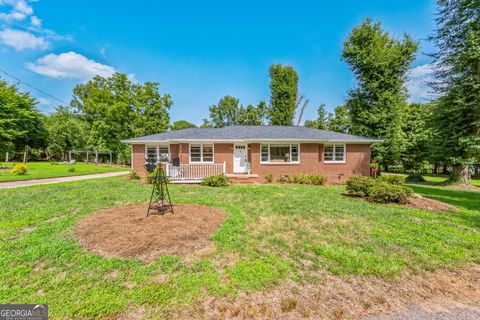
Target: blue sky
(200,51)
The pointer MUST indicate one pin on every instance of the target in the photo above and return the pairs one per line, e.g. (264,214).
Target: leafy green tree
(283,94)
(225,112)
(418,135)
(182,124)
(115,108)
(21,124)
(322,119)
(253,115)
(66,131)
(457,115)
(339,121)
(229,112)
(380,64)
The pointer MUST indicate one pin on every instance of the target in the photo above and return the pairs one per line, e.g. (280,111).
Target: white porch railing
(196,171)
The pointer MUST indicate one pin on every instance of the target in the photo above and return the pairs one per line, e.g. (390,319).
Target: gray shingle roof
(251,133)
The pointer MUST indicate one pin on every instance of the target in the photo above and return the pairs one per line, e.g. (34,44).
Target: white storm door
(240,158)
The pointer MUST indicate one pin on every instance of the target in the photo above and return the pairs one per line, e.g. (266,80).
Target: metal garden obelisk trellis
(160,199)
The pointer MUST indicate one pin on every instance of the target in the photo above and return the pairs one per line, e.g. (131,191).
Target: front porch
(194,173)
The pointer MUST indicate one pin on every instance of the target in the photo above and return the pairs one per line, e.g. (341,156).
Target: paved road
(421,314)
(26,183)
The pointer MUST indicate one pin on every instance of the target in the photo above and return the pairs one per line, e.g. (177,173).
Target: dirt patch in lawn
(419,202)
(126,232)
(336,297)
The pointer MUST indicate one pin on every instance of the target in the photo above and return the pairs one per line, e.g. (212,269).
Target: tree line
(443,131)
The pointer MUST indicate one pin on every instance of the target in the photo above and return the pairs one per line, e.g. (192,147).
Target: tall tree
(116,108)
(182,124)
(339,121)
(283,94)
(322,119)
(457,115)
(225,112)
(66,131)
(229,112)
(20,121)
(418,135)
(380,64)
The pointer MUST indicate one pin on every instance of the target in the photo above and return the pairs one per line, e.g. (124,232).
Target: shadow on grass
(462,199)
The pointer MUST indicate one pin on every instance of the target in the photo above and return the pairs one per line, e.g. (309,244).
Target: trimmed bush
(216,181)
(269,178)
(385,192)
(392,179)
(415,178)
(19,169)
(303,179)
(360,185)
(317,180)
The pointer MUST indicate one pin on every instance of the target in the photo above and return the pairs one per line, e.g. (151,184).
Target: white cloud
(418,83)
(20,24)
(69,65)
(19,10)
(21,40)
(35,21)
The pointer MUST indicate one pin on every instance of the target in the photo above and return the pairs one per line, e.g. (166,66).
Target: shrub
(392,179)
(283,179)
(19,169)
(316,180)
(216,181)
(360,185)
(385,192)
(133,175)
(269,178)
(71,169)
(415,177)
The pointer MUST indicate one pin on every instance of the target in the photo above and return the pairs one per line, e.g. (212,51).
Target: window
(201,153)
(163,153)
(151,154)
(334,153)
(280,153)
(157,153)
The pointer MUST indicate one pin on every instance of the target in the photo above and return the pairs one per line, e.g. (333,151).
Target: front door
(239,158)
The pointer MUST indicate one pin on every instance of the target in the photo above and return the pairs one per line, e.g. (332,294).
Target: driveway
(26,183)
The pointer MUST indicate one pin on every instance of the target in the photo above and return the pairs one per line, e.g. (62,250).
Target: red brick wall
(138,159)
(311,162)
(224,152)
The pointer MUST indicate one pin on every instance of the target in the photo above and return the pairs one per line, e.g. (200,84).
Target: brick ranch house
(251,152)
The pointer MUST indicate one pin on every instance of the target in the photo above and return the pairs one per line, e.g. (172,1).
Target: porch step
(243,178)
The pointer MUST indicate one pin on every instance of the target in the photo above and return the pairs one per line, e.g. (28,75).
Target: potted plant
(249,168)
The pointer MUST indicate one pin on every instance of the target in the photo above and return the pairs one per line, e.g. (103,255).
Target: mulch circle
(126,231)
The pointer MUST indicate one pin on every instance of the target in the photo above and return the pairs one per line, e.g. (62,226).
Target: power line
(35,88)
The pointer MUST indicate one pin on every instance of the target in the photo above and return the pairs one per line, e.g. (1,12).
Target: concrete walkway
(26,183)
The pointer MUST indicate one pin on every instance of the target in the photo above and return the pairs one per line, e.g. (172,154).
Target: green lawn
(439,178)
(273,233)
(40,170)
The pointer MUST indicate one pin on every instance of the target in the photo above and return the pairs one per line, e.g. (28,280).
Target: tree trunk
(435,168)
(385,166)
(459,175)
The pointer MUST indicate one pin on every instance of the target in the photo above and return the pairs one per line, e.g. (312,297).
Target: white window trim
(157,146)
(334,147)
(280,163)
(201,153)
